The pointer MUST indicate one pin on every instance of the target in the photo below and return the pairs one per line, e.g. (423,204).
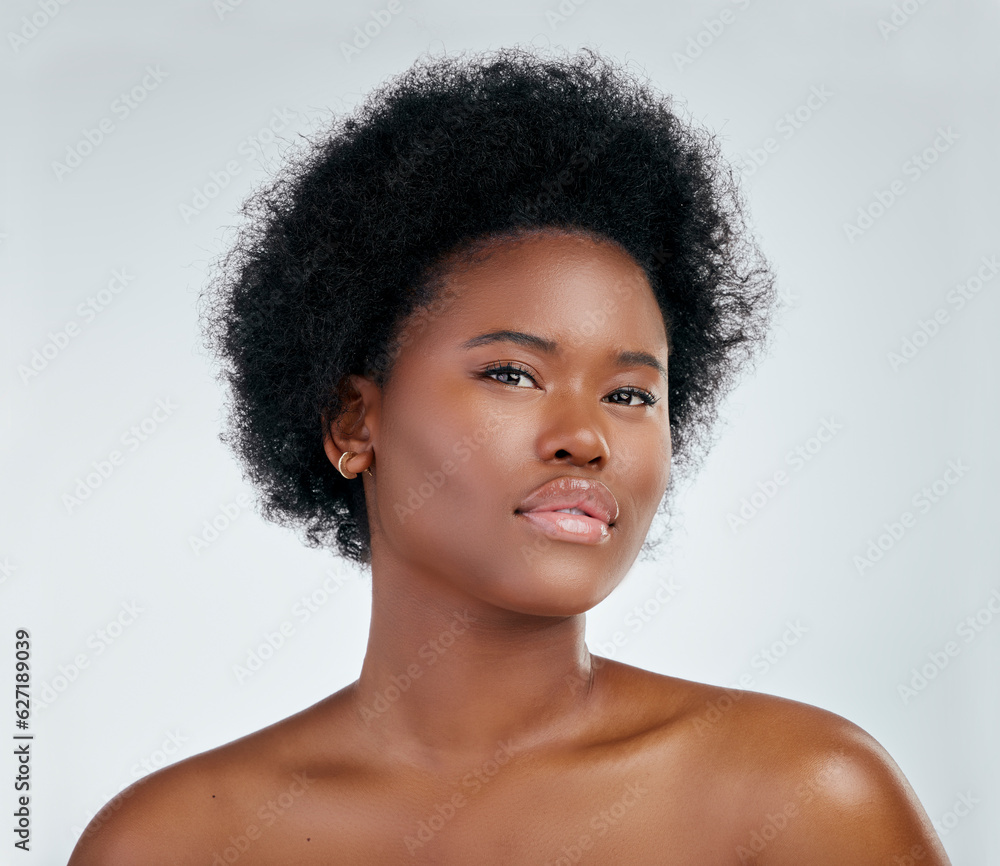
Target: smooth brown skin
(511,743)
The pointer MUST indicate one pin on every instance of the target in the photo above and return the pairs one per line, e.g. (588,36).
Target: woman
(467,334)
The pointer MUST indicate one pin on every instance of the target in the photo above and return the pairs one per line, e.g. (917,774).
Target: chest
(494,814)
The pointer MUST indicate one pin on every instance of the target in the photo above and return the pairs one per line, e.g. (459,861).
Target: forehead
(571,287)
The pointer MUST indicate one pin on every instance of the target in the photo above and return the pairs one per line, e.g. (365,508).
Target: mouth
(570,508)
(568,525)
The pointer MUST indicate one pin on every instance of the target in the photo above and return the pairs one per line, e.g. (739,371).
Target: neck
(448,679)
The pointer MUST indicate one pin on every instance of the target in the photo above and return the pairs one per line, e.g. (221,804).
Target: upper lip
(568,491)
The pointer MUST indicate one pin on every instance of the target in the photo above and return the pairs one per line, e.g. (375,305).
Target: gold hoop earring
(349,455)
(340,464)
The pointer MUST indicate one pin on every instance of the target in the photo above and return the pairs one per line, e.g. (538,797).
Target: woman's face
(458,448)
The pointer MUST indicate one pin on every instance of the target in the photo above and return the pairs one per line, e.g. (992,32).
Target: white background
(850,302)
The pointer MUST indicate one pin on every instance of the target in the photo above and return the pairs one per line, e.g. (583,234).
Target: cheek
(643,473)
(444,467)
(656,456)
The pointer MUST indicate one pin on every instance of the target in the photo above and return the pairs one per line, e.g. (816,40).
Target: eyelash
(500,367)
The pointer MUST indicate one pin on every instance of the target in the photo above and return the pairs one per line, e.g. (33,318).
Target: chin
(542,592)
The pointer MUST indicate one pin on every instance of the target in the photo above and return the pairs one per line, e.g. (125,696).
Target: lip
(592,497)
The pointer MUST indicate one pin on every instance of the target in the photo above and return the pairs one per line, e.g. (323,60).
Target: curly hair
(349,242)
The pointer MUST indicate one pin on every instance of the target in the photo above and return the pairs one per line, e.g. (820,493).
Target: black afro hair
(348,243)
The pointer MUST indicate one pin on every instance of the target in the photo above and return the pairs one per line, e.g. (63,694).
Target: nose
(573,432)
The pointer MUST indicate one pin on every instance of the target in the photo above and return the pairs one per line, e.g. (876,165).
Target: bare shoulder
(807,785)
(190,811)
(165,817)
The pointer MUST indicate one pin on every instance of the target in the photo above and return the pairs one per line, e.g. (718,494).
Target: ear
(356,428)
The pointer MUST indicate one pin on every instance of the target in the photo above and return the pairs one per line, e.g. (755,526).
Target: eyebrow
(550,347)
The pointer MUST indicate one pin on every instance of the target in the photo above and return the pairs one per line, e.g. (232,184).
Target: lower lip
(580,528)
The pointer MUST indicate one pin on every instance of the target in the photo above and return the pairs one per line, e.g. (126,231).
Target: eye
(517,372)
(508,369)
(631,391)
